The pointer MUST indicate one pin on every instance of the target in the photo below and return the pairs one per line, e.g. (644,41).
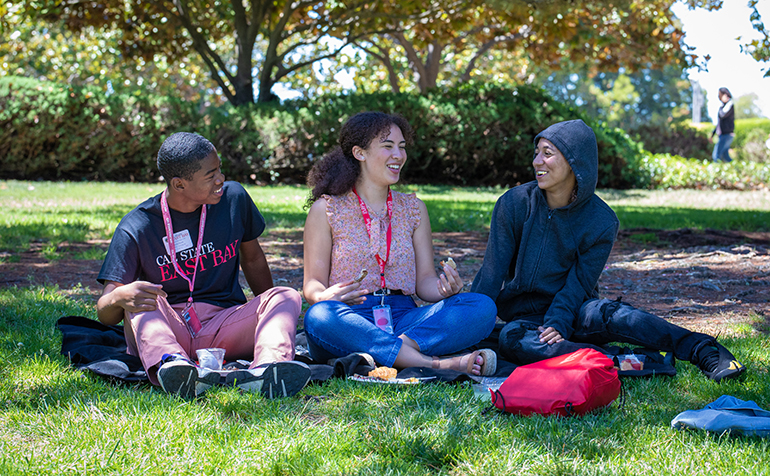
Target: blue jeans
(599,322)
(335,329)
(722,148)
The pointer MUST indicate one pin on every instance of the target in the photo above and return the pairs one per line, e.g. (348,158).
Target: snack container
(630,362)
(211,358)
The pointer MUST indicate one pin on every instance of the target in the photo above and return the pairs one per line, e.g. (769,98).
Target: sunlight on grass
(56,213)
(56,420)
(93,253)
(693,199)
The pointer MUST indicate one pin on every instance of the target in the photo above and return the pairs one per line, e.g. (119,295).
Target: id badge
(382,318)
(191,319)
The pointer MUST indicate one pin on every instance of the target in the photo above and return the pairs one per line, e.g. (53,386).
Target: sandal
(489,367)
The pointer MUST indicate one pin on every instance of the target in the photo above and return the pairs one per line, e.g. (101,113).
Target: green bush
(54,131)
(235,132)
(680,139)
(750,137)
(745,127)
(671,171)
(755,148)
(472,135)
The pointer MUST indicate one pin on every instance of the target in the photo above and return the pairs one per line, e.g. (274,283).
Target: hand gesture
(346,291)
(139,296)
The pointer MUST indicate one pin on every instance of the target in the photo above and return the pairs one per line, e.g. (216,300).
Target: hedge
(54,131)
(745,127)
(750,138)
(672,171)
(680,139)
(471,135)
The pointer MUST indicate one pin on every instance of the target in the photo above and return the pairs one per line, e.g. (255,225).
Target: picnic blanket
(94,347)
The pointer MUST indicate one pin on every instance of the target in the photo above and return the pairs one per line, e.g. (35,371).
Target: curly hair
(336,173)
(181,154)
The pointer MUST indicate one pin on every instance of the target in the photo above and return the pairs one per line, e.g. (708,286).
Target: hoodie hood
(577,142)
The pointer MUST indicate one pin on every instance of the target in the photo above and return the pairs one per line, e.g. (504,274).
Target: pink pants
(262,330)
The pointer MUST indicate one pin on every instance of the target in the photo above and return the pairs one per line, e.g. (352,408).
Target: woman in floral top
(368,250)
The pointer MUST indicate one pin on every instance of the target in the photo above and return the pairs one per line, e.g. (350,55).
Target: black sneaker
(278,379)
(179,376)
(717,363)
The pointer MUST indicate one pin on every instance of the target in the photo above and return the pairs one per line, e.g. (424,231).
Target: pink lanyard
(368,223)
(172,244)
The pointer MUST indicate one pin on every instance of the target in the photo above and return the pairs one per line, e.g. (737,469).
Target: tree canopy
(625,99)
(746,106)
(448,42)
(248,46)
(281,36)
(90,56)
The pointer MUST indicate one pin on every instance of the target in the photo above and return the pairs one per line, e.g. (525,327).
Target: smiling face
(553,173)
(205,187)
(383,159)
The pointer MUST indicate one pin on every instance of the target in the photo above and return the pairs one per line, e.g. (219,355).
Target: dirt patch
(702,280)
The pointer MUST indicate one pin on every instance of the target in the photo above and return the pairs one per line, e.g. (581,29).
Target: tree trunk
(392,76)
(432,66)
(266,80)
(427,70)
(265,93)
(243,82)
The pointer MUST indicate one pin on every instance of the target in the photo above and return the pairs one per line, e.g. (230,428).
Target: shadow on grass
(470,215)
(56,226)
(762,324)
(671,218)
(451,215)
(16,237)
(615,194)
(445,214)
(283,219)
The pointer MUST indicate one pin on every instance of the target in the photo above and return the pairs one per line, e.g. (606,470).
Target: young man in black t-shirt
(171,273)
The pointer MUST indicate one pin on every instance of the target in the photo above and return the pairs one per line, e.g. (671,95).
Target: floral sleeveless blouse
(353,249)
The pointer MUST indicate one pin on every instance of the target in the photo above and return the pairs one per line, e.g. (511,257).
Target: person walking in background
(172,274)
(725,128)
(548,243)
(368,250)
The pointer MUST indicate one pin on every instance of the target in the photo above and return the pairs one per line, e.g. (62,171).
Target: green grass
(55,213)
(48,216)
(700,209)
(54,420)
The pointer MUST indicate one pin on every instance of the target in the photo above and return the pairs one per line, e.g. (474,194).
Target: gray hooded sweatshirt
(541,265)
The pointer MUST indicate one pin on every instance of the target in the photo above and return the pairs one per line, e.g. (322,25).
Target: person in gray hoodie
(548,244)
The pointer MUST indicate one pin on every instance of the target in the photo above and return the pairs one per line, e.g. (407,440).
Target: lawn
(56,420)
(52,213)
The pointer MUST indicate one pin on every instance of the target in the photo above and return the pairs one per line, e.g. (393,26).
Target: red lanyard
(172,244)
(368,223)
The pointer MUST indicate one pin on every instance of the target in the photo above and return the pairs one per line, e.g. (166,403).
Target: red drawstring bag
(571,384)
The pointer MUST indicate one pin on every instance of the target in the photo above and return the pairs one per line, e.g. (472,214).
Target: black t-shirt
(138,253)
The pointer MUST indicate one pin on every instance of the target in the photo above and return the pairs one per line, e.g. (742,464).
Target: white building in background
(697,101)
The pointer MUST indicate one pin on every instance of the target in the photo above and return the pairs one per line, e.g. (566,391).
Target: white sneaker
(182,377)
(277,379)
